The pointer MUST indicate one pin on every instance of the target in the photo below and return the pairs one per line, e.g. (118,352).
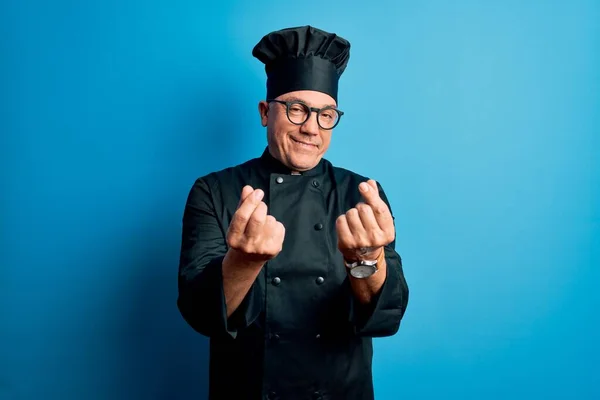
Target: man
(287,263)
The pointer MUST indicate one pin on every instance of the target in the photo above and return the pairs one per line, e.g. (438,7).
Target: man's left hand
(365,229)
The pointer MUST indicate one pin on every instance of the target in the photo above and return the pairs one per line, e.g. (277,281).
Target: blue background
(480,119)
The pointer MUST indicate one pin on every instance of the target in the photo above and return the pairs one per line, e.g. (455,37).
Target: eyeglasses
(298,113)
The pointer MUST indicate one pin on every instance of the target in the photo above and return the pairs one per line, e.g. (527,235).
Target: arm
(238,277)
(378,302)
(381,316)
(365,290)
(213,298)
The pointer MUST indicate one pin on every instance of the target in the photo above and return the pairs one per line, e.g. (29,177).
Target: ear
(263,110)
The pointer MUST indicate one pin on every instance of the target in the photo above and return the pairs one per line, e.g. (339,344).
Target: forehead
(310,97)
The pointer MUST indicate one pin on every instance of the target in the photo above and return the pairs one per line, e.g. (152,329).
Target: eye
(297,108)
(327,114)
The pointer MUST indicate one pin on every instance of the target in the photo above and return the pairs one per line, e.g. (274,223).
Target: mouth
(304,144)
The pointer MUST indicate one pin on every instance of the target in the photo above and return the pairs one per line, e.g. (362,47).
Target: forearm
(365,289)
(238,277)
(377,306)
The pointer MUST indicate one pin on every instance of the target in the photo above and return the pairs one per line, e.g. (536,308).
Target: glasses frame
(288,104)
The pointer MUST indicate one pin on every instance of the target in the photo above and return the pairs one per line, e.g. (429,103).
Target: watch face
(362,271)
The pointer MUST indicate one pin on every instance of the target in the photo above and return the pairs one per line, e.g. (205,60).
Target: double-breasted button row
(276,281)
(315,183)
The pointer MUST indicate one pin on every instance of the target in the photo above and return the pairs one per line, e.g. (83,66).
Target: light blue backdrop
(480,119)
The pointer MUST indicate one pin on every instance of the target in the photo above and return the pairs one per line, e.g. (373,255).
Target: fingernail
(364,187)
(258,194)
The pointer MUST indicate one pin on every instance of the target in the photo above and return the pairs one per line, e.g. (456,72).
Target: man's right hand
(253,235)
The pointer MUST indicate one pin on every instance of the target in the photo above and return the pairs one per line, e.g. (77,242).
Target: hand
(252,234)
(365,229)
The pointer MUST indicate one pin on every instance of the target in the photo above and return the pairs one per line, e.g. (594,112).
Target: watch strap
(355,264)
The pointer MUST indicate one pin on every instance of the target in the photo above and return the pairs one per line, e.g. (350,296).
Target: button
(317,396)
(318,336)
(279,179)
(320,280)
(274,337)
(276,281)
(318,226)
(272,396)
(315,184)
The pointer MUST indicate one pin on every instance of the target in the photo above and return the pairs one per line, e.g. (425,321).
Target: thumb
(246,191)
(369,191)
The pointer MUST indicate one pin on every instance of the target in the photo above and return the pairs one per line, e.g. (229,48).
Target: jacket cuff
(382,316)
(202,303)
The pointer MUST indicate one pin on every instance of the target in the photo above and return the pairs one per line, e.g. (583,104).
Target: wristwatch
(362,269)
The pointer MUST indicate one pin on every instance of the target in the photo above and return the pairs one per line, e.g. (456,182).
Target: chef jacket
(299,333)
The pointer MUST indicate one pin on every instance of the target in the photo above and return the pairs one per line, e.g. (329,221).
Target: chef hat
(302,58)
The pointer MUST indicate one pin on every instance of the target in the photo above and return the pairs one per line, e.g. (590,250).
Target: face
(299,147)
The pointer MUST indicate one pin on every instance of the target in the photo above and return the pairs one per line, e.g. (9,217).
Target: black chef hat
(302,58)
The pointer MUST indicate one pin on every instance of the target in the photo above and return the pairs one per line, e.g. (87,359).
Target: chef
(288,263)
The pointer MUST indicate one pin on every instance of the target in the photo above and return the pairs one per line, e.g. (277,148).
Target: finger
(274,229)
(356,227)
(370,193)
(271,228)
(367,218)
(280,236)
(246,191)
(376,235)
(242,215)
(254,227)
(345,238)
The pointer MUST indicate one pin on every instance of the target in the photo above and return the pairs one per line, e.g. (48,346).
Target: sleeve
(382,316)
(201,299)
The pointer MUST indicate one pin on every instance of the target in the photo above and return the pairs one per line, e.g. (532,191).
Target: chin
(303,162)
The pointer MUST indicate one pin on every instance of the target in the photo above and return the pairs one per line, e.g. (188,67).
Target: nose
(310,127)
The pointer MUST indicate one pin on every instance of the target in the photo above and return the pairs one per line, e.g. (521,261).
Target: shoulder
(344,177)
(222,186)
(343,174)
(223,177)
(347,180)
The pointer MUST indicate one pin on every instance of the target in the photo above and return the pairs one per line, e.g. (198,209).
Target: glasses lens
(328,118)
(298,113)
